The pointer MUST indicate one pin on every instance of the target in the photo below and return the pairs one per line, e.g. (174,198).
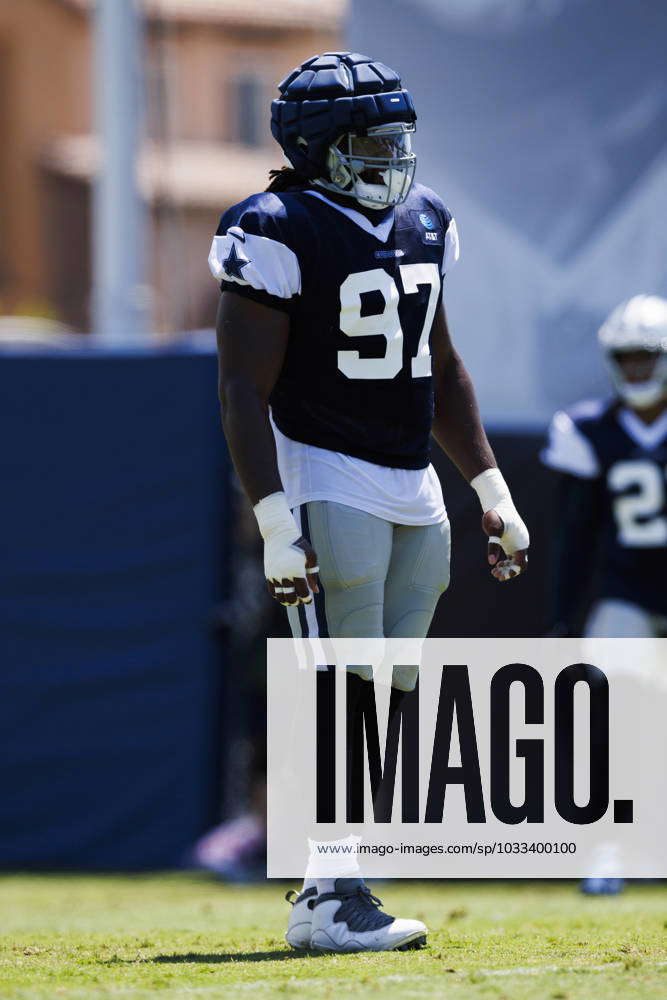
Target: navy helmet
(344,122)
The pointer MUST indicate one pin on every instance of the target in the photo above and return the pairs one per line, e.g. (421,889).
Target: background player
(331,314)
(612,526)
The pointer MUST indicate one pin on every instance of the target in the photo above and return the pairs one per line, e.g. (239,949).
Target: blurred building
(210,70)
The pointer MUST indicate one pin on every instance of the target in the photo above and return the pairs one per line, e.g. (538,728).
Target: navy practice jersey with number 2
(357,373)
(610,446)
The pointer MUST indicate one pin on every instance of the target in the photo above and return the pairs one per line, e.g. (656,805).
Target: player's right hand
(506,560)
(291,570)
(290,565)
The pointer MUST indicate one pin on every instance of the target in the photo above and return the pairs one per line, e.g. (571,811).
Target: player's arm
(252,340)
(457,427)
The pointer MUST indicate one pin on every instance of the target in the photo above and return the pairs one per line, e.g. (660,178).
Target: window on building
(249,111)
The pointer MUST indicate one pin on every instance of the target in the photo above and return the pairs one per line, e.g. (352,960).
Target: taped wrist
(494,494)
(274,518)
(283,560)
(491,488)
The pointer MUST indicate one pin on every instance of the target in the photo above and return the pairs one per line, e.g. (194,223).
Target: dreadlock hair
(286,178)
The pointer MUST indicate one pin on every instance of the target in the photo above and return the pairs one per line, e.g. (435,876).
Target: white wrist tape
(491,488)
(282,559)
(494,494)
(274,517)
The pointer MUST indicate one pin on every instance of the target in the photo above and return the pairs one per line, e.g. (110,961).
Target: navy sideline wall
(113,521)
(475,604)
(115,517)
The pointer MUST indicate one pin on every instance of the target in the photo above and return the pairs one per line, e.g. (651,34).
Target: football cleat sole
(413,943)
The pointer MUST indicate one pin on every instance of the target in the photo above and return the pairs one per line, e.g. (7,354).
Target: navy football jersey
(608,444)
(361,300)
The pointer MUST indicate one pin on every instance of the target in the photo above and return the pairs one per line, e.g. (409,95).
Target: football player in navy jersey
(336,366)
(612,459)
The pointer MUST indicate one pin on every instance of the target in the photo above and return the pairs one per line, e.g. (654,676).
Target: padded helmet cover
(329,95)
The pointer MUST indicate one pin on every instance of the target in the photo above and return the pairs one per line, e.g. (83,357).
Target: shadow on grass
(218,958)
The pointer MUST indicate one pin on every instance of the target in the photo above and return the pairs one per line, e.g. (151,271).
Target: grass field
(173,936)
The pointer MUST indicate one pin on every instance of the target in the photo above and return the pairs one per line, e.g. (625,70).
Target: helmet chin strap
(375,196)
(393,180)
(350,195)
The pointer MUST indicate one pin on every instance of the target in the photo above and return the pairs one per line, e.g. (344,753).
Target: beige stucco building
(210,70)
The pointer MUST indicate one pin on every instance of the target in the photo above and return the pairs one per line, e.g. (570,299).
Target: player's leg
(418,575)
(354,551)
(347,917)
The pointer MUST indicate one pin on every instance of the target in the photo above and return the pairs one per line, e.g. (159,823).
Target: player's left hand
(505,560)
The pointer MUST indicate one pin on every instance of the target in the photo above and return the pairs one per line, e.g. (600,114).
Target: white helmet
(637,325)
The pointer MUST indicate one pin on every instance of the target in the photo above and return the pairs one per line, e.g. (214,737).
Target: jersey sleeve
(569,450)
(452,248)
(251,253)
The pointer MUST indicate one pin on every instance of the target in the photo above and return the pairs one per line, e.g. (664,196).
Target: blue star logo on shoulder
(233,264)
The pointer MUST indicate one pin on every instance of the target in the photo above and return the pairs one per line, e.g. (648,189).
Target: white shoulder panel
(451,254)
(254,260)
(568,450)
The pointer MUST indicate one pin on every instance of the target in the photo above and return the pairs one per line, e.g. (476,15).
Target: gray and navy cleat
(349,919)
(301,917)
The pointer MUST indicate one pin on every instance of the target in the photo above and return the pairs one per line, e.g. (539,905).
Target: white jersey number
(638,516)
(386,323)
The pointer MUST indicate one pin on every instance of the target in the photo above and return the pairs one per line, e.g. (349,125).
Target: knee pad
(405,678)
(365,672)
